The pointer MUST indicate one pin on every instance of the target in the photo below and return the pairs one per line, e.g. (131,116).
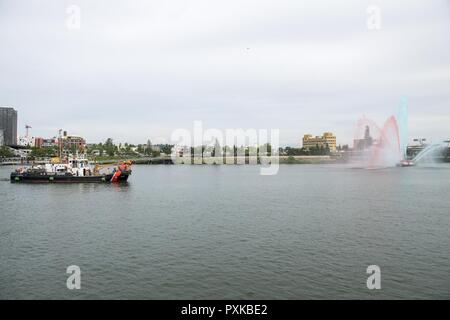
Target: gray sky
(140,69)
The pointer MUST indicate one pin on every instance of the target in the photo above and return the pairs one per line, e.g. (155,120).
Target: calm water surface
(225,232)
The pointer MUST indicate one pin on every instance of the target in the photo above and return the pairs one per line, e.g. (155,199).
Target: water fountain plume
(402,120)
(430,152)
(388,145)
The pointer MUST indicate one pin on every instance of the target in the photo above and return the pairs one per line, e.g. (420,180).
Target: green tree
(43,152)
(155,153)
(166,148)
(291,160)
(109,147)
(267,148)
(6,152)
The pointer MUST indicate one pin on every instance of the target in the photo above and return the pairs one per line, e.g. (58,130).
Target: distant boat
(74,169)
(405,163)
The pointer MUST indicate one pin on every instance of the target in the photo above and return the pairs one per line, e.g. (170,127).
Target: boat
(73,169)
(405,163)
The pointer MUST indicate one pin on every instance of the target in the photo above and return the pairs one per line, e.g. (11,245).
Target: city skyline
(315,139)
(142,70)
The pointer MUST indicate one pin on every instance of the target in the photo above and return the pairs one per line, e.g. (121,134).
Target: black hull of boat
(46,178)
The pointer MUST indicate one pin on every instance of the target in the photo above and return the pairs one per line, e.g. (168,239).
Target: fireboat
(406,163)
(73,169)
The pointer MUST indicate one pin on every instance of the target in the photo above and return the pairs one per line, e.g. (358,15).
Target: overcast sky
(140,69)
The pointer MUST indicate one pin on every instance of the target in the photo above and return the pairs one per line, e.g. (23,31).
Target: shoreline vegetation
(191,160)
(110,153)
(319,160)
(236,160)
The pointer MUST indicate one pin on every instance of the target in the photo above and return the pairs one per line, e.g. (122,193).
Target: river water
(226,232)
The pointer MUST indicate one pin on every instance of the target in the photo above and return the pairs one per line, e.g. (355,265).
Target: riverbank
(199,160)
(236,160)
(189,160)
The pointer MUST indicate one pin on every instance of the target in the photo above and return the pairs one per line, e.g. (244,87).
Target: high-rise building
(327,140)
(8,123)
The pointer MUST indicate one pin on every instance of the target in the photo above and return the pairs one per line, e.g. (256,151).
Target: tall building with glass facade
(8,124)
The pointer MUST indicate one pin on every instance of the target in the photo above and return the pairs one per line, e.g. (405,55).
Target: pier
(23,161)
